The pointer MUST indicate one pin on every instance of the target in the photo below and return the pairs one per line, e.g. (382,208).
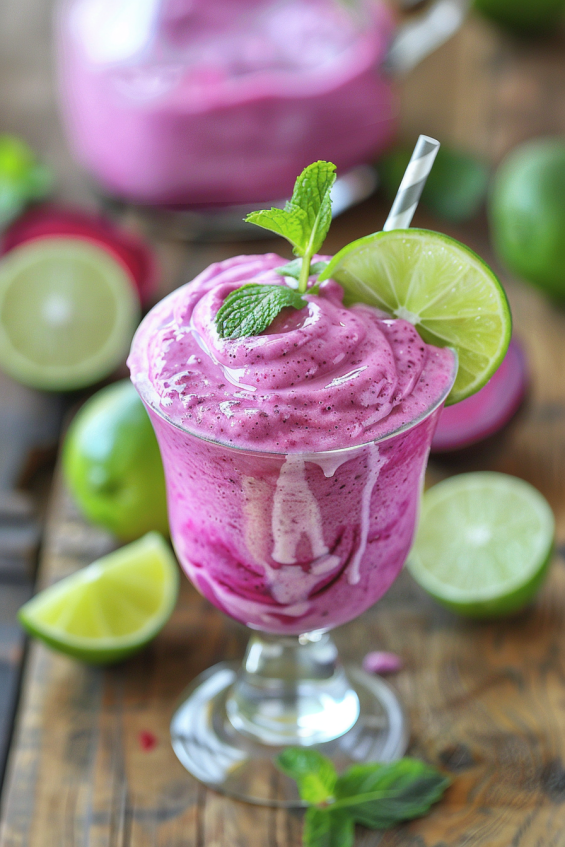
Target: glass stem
(292,690)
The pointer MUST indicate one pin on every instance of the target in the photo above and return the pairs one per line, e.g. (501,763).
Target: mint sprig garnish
(22,178)
(306,218)
(253,307)
(304,221)
(375,795)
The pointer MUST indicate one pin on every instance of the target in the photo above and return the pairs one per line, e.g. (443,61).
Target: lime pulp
(441,286)
(68,311)
(110,609)
(483,544)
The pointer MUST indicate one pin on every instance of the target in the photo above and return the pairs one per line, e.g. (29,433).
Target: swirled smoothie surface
(320,378)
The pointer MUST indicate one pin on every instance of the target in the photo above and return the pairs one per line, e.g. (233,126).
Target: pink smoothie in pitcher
(294,458)
(197,102)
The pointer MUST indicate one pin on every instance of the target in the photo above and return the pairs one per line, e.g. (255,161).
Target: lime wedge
(484,543)
(68,311)
(439,285)
(110,609)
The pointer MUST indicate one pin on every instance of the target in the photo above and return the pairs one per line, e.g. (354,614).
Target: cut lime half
(68,311)
(110,609)
(450,295)
(484,543)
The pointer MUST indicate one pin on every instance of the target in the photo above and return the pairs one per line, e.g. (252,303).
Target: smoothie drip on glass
(196,102)
(293,458)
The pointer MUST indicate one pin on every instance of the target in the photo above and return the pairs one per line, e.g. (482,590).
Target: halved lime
(484,543)
(68,311)
(450,295)
(110,609)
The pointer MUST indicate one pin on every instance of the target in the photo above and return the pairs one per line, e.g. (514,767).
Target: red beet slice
(488,410)
(48,220)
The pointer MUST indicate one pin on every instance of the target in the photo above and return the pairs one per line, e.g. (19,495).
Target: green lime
(484,543)
(113,466)
(450,295)
(110,609)
(456,185)
(525,17)
(68,311)
(527,213)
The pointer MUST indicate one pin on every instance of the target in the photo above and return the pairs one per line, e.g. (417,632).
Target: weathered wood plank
(29,426)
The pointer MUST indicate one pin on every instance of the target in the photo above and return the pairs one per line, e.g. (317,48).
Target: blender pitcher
(216,103)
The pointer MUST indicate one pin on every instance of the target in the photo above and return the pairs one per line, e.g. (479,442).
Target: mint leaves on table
(375,795)
(323,828)
(253,307)
(22,178)
(304,222)
(313,773)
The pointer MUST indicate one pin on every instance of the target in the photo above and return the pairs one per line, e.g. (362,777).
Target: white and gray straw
(412,184)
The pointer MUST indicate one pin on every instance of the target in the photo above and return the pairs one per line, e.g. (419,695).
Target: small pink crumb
(379,662)
(147,741)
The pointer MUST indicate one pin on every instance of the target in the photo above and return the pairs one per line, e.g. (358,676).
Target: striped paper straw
(412,184)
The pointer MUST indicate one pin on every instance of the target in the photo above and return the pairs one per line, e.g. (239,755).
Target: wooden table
(91,762)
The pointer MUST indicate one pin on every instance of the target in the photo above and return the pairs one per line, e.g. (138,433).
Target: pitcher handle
(416,39)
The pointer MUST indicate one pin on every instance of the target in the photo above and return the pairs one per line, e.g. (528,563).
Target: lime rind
(441,286)
(484,543)
(134,588)
(68,311)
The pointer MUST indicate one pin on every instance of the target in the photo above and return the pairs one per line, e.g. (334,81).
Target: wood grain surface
(91,763)
(29,428)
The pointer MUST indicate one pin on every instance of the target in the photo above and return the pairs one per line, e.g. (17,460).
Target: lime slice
(68,311)
(441,287)
(110,609)
(483,544)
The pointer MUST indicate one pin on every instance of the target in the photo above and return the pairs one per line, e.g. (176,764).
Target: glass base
(227,738)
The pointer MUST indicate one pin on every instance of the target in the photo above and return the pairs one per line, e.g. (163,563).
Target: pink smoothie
(293,459)
(197,102)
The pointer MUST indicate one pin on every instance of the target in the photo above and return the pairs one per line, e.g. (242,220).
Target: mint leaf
(315,774)
(324,828)
(375,795)
(253,307)
(306,217)
(312,195)
(382,795)
(292,224)
(22,177)
(292,269)
(318,267)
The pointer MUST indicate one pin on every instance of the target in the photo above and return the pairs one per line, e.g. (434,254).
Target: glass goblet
(291,545)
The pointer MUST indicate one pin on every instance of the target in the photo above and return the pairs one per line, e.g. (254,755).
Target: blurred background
(143,130)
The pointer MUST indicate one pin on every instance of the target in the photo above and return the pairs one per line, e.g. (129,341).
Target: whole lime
(527,214)
(112,464)
(525,17)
